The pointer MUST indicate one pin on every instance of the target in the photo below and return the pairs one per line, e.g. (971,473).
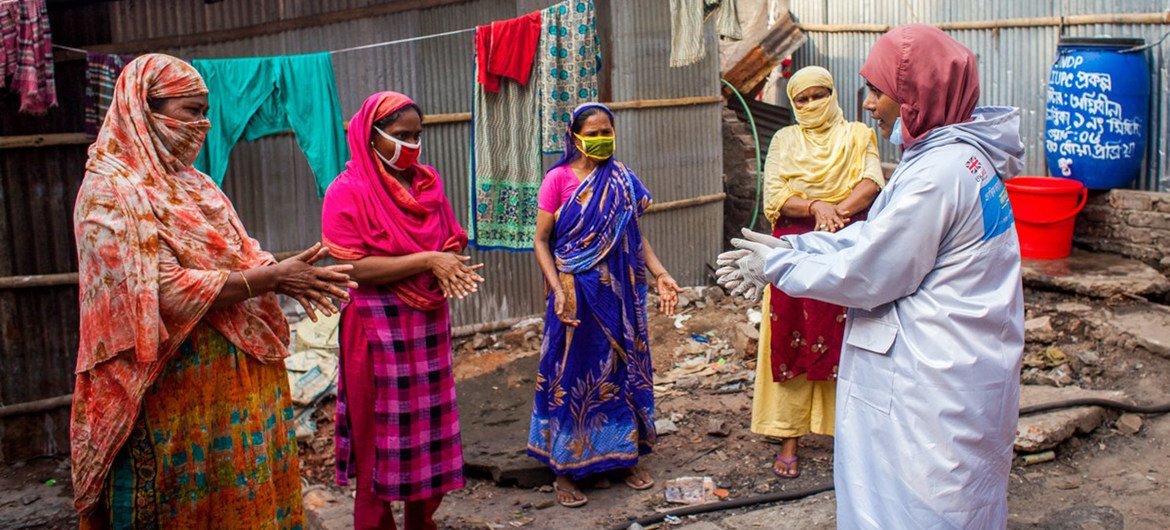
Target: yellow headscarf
(822,157)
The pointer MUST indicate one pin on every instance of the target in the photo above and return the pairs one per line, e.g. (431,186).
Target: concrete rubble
(1141,325)
(1039,432)
(326,509)
(1095,275)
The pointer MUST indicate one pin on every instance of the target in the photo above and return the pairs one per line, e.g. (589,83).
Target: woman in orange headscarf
(182,416)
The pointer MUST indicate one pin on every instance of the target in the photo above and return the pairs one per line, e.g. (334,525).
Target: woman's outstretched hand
(668,290)
(311,286)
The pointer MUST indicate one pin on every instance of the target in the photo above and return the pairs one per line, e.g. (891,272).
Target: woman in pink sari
(397,421)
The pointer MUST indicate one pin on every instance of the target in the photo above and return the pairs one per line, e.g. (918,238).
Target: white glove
(771,242)
(742,270)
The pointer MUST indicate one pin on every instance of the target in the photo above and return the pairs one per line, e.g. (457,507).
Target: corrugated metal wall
(38,326)
(676,151)
(1014,63)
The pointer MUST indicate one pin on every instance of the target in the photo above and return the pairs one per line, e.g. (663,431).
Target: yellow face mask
(817,113)
(822,112)
(596,147)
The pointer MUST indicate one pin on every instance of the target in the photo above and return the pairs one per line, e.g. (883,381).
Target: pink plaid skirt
(418,451)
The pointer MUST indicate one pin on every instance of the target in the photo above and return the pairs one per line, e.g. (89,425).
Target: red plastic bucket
(1046,209)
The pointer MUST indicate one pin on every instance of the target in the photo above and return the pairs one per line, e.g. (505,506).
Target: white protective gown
(928,388)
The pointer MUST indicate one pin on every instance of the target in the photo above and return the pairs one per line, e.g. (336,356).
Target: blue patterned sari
(594,406)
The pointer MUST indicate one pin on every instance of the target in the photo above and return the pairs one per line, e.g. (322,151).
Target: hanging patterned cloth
(26,54)
(570,59)
(101,75)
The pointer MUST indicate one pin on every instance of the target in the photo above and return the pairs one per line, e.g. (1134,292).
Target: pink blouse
(557,188)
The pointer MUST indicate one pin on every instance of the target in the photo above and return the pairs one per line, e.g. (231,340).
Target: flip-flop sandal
(570,504)
(647,485)
(787,467)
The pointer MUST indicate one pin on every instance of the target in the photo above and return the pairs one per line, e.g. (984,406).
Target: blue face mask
(896,135)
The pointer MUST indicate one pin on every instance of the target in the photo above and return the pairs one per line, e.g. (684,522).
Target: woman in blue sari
(594,406)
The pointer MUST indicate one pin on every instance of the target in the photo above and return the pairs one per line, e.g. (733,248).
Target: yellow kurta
(795,407)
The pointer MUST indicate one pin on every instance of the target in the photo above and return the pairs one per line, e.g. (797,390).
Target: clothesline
(343,50)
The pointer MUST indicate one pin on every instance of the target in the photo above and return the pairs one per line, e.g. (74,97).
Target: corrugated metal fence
(1014,63)
(677,152)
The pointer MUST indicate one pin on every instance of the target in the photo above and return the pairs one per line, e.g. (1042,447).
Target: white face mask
(405,154)
(896,134)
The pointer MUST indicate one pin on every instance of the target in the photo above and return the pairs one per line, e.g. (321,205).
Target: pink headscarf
(933,76)
(367,212)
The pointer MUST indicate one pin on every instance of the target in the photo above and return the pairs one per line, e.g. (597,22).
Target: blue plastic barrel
(1097,111)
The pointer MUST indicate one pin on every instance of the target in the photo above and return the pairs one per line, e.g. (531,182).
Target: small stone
(1039,330)
(1072,307)
(545,488)
(722,493)
(715,295)
(1129,424)
(745,334)
(1089,357)
(1066,483)
(1062,375)
(763,487)
(718,427)
(480,341)
(544,505)
(683,302)
(664,426)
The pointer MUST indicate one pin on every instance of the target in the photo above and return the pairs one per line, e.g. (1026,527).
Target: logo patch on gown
(997,210)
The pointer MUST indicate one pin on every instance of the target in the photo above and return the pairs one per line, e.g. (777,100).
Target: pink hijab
(933,77)
(367,212)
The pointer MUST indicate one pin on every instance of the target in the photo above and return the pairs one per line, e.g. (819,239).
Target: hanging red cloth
(506,48)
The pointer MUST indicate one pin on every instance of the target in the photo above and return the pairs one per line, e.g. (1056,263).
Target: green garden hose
(756,139)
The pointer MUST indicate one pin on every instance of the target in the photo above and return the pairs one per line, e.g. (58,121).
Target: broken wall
(1128,222)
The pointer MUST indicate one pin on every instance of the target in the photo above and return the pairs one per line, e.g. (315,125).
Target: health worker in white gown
(928,388)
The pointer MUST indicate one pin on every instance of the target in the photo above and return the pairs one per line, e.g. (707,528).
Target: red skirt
(806,334)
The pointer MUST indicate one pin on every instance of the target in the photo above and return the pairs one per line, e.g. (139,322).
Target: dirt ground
(1103,480)
(704,365)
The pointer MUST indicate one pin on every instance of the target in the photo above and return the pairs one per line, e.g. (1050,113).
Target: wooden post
(44,140)
(749,72)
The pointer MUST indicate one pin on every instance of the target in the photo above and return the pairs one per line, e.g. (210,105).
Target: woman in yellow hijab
(821,174)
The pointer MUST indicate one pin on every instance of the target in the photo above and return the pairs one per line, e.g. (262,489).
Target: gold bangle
(246,284)
(810,205)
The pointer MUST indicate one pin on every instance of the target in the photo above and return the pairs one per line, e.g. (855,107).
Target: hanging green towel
(258,96)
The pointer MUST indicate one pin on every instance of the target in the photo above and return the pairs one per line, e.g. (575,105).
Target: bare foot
(786,463)
(639,479)
(568,494)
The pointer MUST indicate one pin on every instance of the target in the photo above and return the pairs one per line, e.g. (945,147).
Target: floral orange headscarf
(156,241)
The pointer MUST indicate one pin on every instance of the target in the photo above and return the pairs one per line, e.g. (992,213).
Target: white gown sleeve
(876,262)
